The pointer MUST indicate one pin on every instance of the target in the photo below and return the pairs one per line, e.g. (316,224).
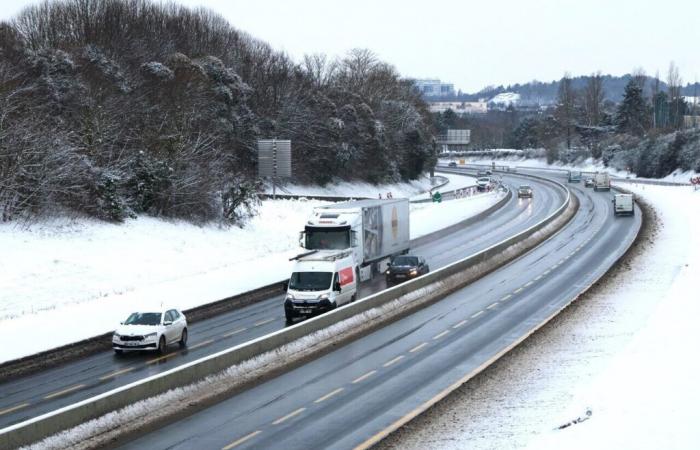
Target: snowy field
(626,353)
(63,273)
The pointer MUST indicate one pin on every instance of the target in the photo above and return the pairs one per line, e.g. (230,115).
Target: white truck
(623,204)
(375,231)
(601,181)
(321,281)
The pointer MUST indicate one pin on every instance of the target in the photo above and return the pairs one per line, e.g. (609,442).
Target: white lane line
(160,358)
(231,333)
(506,297)
(475,315)
(417,347)
(529,283)
(364,377)
(13,408)
(492,305)
(118,372)
(289,416)
(329,395)
(438,336)
(459,324)
(538,277)
(201,344)
(65,391)
(241,440)
(393,361)
(519,290)
(264,322)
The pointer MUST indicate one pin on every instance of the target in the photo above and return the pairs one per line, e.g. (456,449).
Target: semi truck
(374,230)
(601,181)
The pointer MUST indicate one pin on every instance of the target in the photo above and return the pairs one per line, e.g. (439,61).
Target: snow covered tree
(632,113)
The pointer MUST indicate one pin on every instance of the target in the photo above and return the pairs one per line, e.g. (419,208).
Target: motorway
(354,395)
(39,393)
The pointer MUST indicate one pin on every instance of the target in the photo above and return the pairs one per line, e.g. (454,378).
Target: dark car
(452,164)
(406,267)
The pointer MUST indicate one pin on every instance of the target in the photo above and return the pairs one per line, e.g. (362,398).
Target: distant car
(452,164)
(589,182)
(481,173)
(524,191)
(406,267)
(151,331)
(489,172)
(482,184)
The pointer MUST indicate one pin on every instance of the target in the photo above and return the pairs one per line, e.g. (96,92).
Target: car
(151,331)
(489,172)
(404,268)
(589,182)
(524,190)
(482,184)
(452,164)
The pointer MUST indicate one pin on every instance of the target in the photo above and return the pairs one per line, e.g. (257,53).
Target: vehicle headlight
(150,336)
(289,297)
(413,272)
(116,336)
(388,271)
(323,297)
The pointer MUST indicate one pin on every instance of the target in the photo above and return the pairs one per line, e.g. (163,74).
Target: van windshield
(310,281)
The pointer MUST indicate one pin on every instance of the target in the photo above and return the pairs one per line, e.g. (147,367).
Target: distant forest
(114,108)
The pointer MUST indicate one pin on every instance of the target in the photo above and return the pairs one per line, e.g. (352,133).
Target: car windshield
(310,281)
(149,318)
(405,261)
(524,186)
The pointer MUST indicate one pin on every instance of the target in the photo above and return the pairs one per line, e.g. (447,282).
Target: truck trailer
(375,231)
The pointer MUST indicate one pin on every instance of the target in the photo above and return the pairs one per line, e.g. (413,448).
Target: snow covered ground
(67,280)
(626,353)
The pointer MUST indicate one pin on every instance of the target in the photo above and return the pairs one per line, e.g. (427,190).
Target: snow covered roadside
(626,352)
(66,281)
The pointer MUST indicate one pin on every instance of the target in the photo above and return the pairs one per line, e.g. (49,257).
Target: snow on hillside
(506,98)
(626,355)
(62,273)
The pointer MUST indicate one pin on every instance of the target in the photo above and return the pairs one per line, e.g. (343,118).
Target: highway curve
(39,393)
(356,394)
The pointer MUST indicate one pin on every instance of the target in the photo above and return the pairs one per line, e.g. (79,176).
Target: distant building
(454,141)
(459,108)
(434,88)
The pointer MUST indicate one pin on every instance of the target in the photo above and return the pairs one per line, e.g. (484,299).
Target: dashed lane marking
(329,395)
(201,344)
(393,361)
(538,277)
(13,408)
(417,347)
(242,440)
(364,377)
(160,358)
(529,283)
(231,333)
(457,325)
(438,336)
(289,416)
(519,290)
(492,305)
(64,391)
(475,315)
(264,322)
(506,297)
(118,372)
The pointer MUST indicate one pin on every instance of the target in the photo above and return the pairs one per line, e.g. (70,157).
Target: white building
(434,88)
(459,108)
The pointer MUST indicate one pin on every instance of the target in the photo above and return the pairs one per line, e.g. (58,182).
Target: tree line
(114,108)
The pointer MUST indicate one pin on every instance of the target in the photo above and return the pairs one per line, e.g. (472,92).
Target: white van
(623,204)
(320,282)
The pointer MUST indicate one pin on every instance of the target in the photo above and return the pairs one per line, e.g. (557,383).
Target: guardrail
(70,416)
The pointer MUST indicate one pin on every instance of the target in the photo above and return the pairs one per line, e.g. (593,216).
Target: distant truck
(375,231)
(574,176)
(623,205)
(601,181)
(320,281)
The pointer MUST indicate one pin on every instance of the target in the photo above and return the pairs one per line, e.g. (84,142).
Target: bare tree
(566,107)
(593,97)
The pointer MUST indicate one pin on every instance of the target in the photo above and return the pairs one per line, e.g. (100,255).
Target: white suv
(151,331)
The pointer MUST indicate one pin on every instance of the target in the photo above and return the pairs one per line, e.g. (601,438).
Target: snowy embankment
(618,369)
(63,281)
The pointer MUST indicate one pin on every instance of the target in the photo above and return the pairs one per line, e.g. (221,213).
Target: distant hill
(544,93)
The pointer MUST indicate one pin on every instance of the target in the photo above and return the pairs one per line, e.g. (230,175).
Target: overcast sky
(477,43)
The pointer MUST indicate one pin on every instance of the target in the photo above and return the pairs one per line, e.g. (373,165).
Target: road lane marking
(395,360)
(114,374)
(529,283)
(506,297)
(13,408)
(364,377)
(438,336)
(329,395)
(459,324)
(538,277)
(242,440)
(492,305)
(519,290)
(264,322)
(65,391)
(160,358)
(201,344)
(231,333)
(546,272)
(289,416)
(417,347)
(474,316)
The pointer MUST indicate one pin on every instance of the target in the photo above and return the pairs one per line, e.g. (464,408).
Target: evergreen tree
(632,112)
